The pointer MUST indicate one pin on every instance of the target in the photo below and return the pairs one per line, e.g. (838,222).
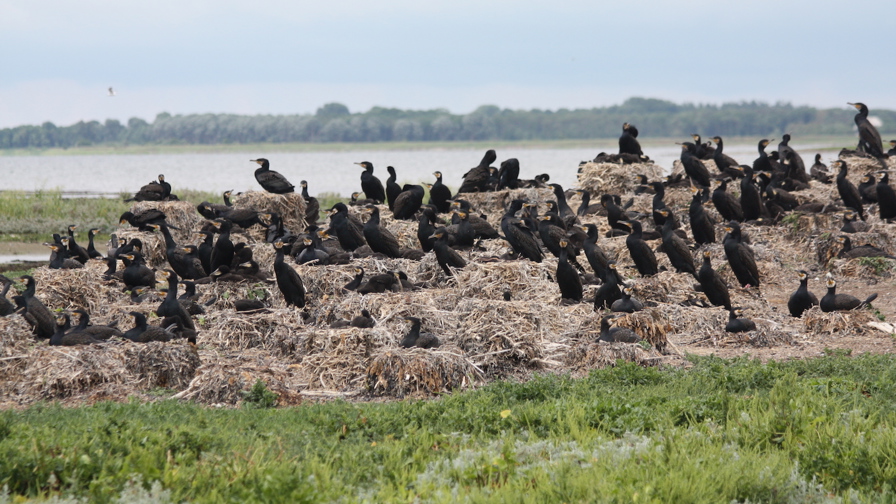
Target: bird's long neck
(84,321)
(29,290)
(169,240)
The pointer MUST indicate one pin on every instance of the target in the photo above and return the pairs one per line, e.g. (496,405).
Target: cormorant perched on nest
(750,199)
(143,219)
(869,138)
(270,180)
(626,304)
(819,171)
(702,226)
(170,309)
(62,338)
(886,197)
(801,300)
(848,192)
(37,314)
(462,230)
(222,252)
(628,142)
(702,151)
(509,174)
(378,237)
(100,332)
(736,324)
(415,338)
(288,280)
(408,202)
(446,256)
(724,163)
(762,163)
(712,284)
(480,225)
(364,320)
(476,180)
(616,334)
(440,194)
(426,227)
(392,187)
(567,276)
(841,302)
(693,167)
(212,211)
(609,291)
(520,237)
(356,281)
(92,252)
(60,257)
(641,253)
(145,333)
(676,248)
(850,252)
(312,206)
(382,282)
(349,231)
(136,273)
(597,258)
(740,256)
(370,184)
(727,205)
(154,191)
(868,189)
(76,251)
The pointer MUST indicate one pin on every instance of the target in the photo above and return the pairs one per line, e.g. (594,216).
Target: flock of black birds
(764,196)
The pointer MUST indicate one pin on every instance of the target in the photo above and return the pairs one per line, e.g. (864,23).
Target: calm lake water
(324,171)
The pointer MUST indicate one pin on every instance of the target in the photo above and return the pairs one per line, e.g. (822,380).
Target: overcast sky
(57,58)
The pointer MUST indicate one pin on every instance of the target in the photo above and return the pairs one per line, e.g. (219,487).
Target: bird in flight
(111,92)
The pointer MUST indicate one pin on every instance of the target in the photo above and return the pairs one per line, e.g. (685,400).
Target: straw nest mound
(297,355)
(610,178)
(291,208)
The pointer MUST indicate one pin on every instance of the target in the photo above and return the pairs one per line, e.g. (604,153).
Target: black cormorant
(222,252)
(348,231)
(520,237)
(740,256)
(370,184)
(693,167)
(616,334)
(567,277)
(712,284)
(378,237)
(641,253)
(145,333)
(676,249)
(170,308)
(271,181)
(408,202)
(446,256)
(143,219)
(62,338)
(92,252)
(850,252)
(476,179)
(42,323)
(848,192)
(869,138)
(628,142)
(762,163)
(288,280)
(819,171)
(356,281)
(440,194)
(392,187)
(724,163)
(702,226)
(841,302)
(868,189)
(153,191)
(100,332)
(626,304)
(312,206)
(886,197)
(736,324)
(136,272)
(609,291)
(802,299)
(727,205)
(597,258)
(509,174)
(415,338)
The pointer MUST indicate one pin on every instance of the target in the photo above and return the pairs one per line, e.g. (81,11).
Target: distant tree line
(334,122)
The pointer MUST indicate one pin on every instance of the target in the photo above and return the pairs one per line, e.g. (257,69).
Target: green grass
(722,431)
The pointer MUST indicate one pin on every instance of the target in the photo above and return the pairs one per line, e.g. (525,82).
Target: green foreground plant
(822,430)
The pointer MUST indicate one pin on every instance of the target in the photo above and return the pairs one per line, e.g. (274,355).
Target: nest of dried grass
(494,203)
(591,354)
(180,214)
(61,372)
(416,371)
(650,324)
(841,323)
(224,378)
(291,208)
(609,178)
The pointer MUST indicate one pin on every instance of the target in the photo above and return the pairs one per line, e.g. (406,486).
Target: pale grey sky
(285,57)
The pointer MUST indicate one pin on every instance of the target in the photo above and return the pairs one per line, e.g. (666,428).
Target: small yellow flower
(505,413)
